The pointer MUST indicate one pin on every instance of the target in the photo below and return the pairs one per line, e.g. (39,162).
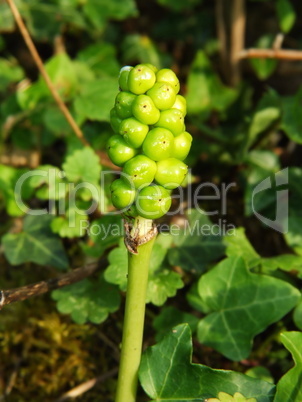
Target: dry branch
(283,54)
(236,39)
(25,292)
(31,47)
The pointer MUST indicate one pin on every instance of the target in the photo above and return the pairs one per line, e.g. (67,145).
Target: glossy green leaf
(141,48)
(36,243)
(100,58)
(96,99)
(7,22)
(243,304)
(297,315)
(264,67)
(262,164)
(61,72)
(162,282)
(205,90)
(48,180)
(260,372)
(98,11)
(289,386)
(9,72)
(83,165)
(11,198)
(87,300)
(46,18)
(169,317)
(103,233)
(167,374)
(73,224)
(286,15)
(239,246)
(291,116)
(196,245)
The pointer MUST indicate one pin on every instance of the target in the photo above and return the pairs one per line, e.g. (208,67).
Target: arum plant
(150,144)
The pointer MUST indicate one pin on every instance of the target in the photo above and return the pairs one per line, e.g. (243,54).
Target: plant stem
(138,267)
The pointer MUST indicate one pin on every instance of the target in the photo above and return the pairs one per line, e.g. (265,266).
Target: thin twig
(236,39)
(86,386)
(222,36)
(30,44)
(284,54)
(25,292)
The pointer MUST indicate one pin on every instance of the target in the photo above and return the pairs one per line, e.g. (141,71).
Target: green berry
(180,104)
(163,95)
(173,120)
(123,104)
(122,194)
(158,144)
(153,68)
(153,202)
(118,150)
(168,76)
(181,146)
(134,132)
(123,78)
(141,78)
(170,173)
(140,170)
(144,110)
(115,121)
(131,212)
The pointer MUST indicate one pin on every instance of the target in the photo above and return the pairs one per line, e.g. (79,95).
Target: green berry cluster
(150,140)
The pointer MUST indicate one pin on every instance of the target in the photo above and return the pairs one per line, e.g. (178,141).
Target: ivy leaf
(9,72)
(48,181)
(169,317)
(196,245)
(36,243)
(289,386)
(261,165)
(286,15)
(103,233)
(264,67)
(205,90)
(285,262)
(98,11)
(161,285)
(96,99)
(263,118)
(8,179)
(100,58)
(88,300)
(291,116)
(297,315)
(83,165)
(61,71)
(243,305)
(73,224)
(239,246)
(167,374)
(162,282)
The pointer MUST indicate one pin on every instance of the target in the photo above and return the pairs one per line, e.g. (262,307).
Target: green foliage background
(237,292)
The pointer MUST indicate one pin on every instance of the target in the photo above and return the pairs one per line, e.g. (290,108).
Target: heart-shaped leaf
(167,374)
(243,304)
(289,387)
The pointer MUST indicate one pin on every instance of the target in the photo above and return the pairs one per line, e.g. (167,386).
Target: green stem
(138,267)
